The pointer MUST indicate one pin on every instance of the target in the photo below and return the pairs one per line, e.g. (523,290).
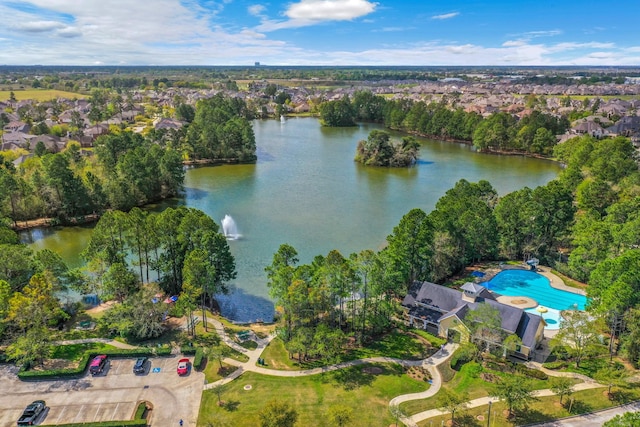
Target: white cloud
(256,9)
(178,32)
(329,10)
(512,43)
(446,16)
(39,26)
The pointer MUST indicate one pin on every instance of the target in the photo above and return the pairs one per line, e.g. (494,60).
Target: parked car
(31,413)
(97,364)
(183,366)
(140,367)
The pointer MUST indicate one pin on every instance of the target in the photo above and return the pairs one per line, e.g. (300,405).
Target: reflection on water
(306,190)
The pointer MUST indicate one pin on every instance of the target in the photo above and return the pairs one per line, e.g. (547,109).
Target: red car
(183,366)
(97,364)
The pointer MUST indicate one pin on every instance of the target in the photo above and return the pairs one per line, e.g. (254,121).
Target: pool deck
(557,282)
(519,301)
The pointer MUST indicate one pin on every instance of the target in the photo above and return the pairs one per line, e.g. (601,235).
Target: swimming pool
(533,285)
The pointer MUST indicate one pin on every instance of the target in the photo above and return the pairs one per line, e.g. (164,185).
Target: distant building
(257,64)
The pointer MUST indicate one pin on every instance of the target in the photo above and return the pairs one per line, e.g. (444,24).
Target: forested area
(124,169)
(585,224)
(127,170)
(534,133)
(221,131)
(131,258)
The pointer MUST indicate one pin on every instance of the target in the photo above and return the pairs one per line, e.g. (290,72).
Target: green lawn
(394,344)
(368,394)
(469,381)
(39,94)
(540,410)
(213,372)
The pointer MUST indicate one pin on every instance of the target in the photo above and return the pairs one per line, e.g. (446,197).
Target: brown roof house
(443,312)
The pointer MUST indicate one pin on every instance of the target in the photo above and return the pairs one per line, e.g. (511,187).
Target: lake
(306,190)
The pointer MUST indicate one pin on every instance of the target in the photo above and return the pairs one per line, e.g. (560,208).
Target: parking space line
(118,367)
(97,412)
(60,415)
(115,411)
(78,414)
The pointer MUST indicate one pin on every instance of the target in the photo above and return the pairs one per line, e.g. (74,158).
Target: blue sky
(319,32)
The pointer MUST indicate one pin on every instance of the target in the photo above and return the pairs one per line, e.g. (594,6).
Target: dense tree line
(221,131)
(534,133)
(127,170)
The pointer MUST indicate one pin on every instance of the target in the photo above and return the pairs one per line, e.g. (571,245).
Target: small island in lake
(378,150)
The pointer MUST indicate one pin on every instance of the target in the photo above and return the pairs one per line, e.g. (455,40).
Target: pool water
(533,285)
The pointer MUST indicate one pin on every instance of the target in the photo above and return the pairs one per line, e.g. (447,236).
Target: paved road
(111,396)
(593,420)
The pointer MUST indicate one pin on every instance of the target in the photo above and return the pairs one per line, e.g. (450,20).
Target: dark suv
(97,364)
(140,366)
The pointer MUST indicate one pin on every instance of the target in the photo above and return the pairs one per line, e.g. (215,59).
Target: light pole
(489,414)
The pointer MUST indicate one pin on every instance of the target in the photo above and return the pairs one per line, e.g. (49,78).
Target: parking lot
(112,395)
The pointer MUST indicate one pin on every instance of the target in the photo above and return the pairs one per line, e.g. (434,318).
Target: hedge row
(137,423)
(82,366)
(188,350)
(197,360)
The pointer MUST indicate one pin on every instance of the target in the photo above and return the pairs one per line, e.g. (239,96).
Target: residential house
(589,128)
(626,126)
(443,311)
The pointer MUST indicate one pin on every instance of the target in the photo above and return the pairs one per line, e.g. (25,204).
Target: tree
(611,375)
(337,113)
(32,348)
(515,392)
(451,402)
(218,352)
(340,415)
(396,413)
(410,247)
(630,338)
(36,305)
(562,386)
(218,389)
(120,282)
(628,419)
(278,414)
(579,331)
(485,323)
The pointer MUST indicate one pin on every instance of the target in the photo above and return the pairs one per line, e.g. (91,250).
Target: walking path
(430,364)
(114,343)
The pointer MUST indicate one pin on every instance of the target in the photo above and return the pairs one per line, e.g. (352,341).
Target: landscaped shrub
(197,360)
(558,364)
(465,353)
(534,373)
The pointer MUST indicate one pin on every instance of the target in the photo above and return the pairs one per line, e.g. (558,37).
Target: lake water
(306,190)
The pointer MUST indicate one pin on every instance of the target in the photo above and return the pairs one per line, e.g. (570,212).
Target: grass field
(395,344)
(540,410)
(468,381)
(367,393)
(39,94)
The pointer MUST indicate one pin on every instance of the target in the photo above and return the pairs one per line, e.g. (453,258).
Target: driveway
(113,395)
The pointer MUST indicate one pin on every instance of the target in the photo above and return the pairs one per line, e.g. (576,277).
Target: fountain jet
(229,228)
